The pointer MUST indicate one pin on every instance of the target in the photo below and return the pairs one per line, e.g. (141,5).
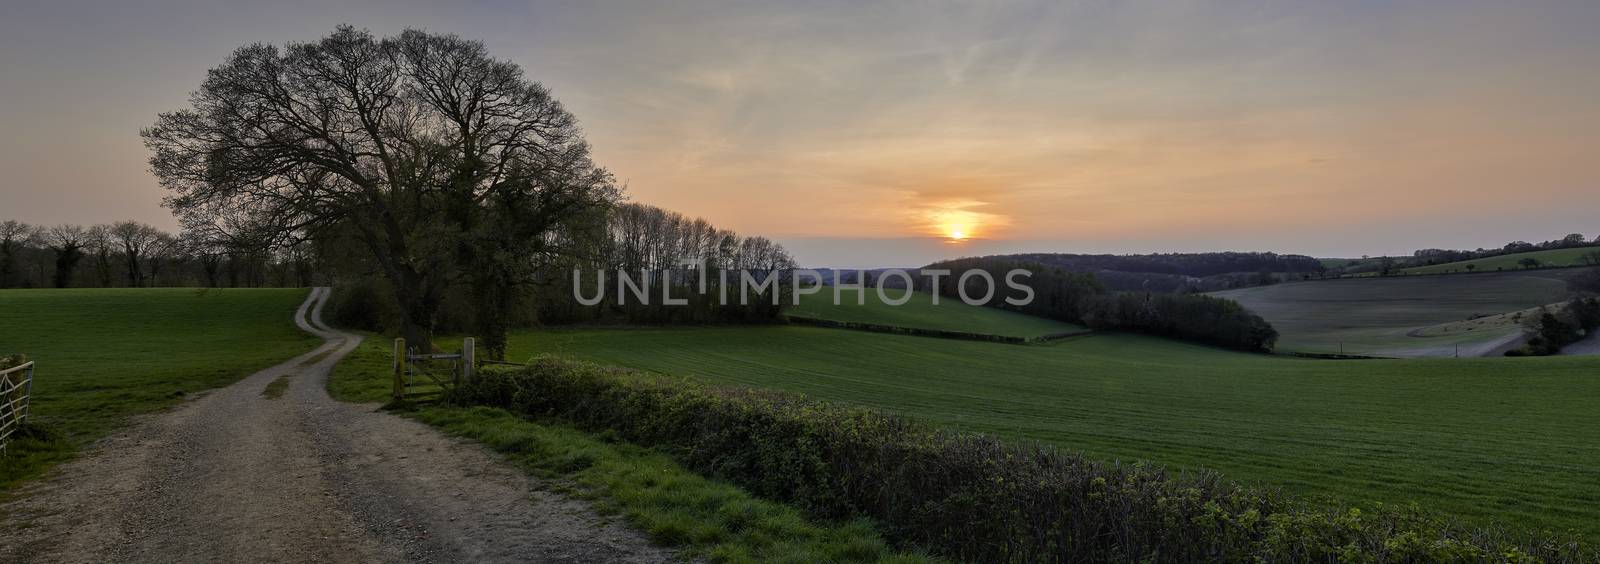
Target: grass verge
(701,517)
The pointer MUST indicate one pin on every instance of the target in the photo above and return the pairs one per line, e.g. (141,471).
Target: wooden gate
(425,376)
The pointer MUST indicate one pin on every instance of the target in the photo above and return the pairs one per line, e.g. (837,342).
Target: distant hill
(1175,272)
(1579,256)
(1187,264)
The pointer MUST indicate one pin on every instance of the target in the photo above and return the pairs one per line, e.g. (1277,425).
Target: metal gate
(16,387)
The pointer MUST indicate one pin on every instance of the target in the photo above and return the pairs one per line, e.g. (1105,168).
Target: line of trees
(638,238)
(648,243)
(1080,298)
(1182,272)
(136,255)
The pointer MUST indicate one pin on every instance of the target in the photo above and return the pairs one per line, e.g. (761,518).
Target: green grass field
(1485,439)
(105,354)
(1397,316)
(921,313)
(1553,257)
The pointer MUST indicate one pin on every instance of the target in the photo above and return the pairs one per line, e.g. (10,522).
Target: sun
(952,223)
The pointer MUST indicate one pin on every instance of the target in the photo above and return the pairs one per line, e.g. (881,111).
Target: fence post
(399,369)
(469,358)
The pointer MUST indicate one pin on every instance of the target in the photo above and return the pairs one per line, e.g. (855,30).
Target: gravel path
(1588,346)
(236,476)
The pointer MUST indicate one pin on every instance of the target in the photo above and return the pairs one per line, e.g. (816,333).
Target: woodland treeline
(1187,264)
(651,244)
(1078,297)
(130,254)
(1181,272)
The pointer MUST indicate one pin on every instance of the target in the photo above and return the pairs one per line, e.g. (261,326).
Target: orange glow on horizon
(956,221)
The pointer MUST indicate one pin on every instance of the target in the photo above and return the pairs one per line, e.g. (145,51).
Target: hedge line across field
(922,332)
(973,497)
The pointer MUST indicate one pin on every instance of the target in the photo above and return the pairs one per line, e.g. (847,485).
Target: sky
(865,134)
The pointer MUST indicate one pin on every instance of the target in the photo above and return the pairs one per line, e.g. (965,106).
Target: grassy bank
(105,354)
(1507,440)
(702,518)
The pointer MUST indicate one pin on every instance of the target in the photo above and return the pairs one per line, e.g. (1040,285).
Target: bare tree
(162,249)
(100,244)
(410,141)
(14,235)
(135,239)
(205,251)
(67,242)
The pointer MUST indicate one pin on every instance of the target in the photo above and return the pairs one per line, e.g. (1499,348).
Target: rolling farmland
(1470,437)
(1400,316)
(1580,256)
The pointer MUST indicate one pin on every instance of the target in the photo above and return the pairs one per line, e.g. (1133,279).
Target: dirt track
(1588,346)
(236,476)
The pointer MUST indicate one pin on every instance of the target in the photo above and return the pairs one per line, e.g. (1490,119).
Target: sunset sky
(863,134)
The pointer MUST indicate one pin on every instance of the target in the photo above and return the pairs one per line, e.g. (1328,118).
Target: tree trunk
(495,296)
(6,263)
(419,303)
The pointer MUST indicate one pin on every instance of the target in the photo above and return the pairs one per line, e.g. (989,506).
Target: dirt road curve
(235,476)
(1589,346)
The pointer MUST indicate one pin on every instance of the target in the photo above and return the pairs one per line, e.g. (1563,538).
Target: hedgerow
(974,497)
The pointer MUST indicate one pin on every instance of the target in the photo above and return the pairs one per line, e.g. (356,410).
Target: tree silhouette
(444,163)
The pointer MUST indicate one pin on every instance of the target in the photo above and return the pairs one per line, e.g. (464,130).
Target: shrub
(973,497)
(12,360)
(1554,330)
